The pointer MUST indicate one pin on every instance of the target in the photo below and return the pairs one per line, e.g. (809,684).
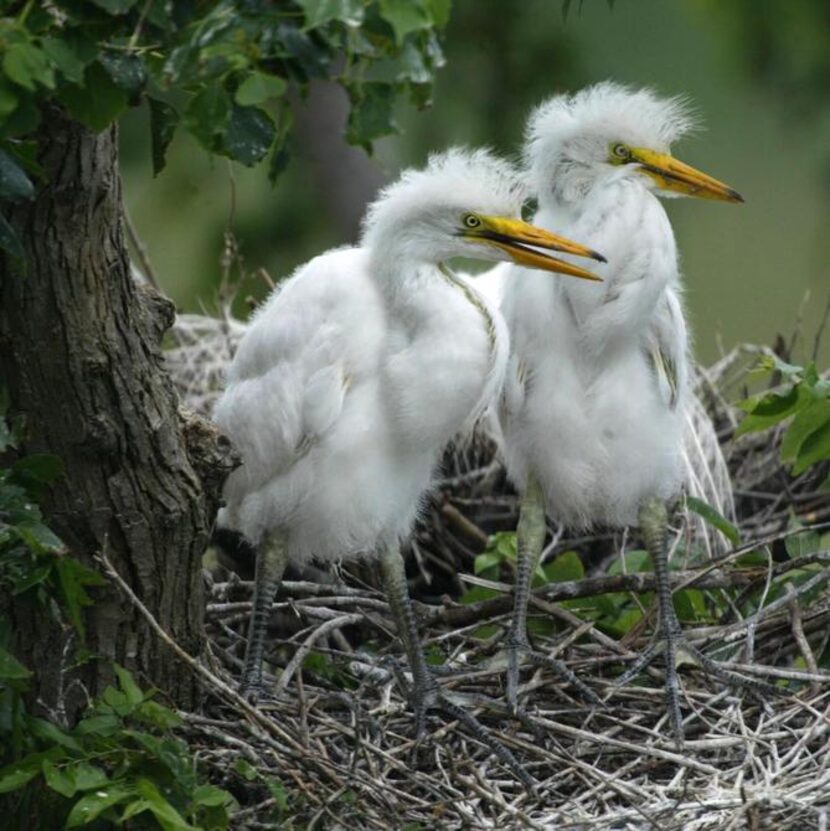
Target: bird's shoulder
(315,316)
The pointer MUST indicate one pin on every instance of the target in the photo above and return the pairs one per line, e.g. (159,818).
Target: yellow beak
(671,174)
(513,236)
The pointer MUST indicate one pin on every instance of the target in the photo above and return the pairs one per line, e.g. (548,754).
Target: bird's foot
(254,690)
(518,647)
(427,694)
(674,644)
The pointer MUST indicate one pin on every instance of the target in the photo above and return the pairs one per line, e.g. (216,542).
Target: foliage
(33,563)
(227,72)
(119,763)
(804,396)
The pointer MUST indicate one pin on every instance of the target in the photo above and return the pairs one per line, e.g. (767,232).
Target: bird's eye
(621,152)
(471,221)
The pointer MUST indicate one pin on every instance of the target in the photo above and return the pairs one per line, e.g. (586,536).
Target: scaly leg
(654,523)
(530,537)
(270,565)
(426,692)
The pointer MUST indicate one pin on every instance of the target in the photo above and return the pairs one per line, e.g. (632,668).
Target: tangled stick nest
(335,749)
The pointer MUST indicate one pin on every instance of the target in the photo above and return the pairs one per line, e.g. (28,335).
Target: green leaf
(207,114)
(210,796)
(128,685)
(126,70)
(27,65)
(100,725)
(39,538)
(169,818)
(485,560)
(278,793)
(567,566)
(439,10)
(250,133)
(806,542)
(14,183)
(815,448)
(371,113)
(258,87)
(9,241)
(157,715)
(73,578)
(91,806)
(309,60)
(115,6)
(713,518)
(245,769)
(98,102)
(87,776)
(65,58)
(58,780)
(772,408)
(163,122)
(636,561)
(318,12)
(8,98)
(405,16)
(41,467)
(812,418)
(52,734)
(18,774)
(10,668)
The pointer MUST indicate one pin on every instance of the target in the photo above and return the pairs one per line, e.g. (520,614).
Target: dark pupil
(472,221)
(621,151)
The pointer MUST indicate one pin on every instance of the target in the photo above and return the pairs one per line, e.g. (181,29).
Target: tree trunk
(80,356)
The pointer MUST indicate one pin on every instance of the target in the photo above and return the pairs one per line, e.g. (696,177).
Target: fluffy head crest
(574,128)
(456,180)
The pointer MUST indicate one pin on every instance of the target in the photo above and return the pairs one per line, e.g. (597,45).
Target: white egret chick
(616,358)
(355,374)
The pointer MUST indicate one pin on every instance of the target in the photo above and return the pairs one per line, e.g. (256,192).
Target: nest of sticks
(335,749)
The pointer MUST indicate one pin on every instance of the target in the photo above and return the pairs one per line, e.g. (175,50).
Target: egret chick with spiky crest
(616,359)
(355,374)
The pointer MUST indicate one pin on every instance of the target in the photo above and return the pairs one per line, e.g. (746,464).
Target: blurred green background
(757,70)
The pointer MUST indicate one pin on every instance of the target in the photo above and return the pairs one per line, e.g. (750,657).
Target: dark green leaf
(27,65)
(115,6)
(65,58)
(636,562)
(39,538)
(250,133)
(128,685)
(210,795)
(10,668)
(772,408)
(815,448)
(169,818)
(17,774)
(163,122)
(371,113)
(87,776)
(42,467)
(51,733)
(8,98)
(439,10)
(127,71)
(245,769)
(310,59)
(258,87)
(405,16)
(567,566)
(9,241)
(151,712)
(58,779)
(318,12)
(73,578)
(22,120)
(91,806)
(715,519)
(98,102)
(14,183)
(207,115)
(278,793)
(100,725)
(813,417)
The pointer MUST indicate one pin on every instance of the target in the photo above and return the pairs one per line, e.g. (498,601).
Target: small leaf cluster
(34,565)
(803,396)
(119,763)
(227,72)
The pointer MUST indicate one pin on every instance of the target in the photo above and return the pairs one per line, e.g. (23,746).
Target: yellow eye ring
(471,221)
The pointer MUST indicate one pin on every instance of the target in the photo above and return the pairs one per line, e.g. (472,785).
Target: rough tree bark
(80,356)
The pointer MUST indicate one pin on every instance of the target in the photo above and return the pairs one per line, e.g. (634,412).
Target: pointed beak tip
(735,196)
(598,257)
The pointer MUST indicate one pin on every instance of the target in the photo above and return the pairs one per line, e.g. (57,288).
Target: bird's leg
(270,565)
(530,537)
(426,692)
(654,523)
